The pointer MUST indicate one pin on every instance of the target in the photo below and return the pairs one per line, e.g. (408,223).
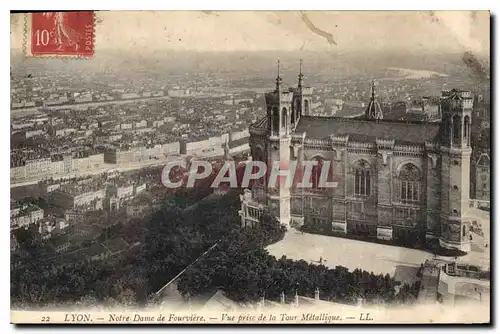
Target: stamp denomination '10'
(62,34)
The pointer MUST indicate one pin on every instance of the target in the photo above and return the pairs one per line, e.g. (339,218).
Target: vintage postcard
(250,167)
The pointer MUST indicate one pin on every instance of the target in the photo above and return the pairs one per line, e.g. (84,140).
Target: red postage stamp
(62,34)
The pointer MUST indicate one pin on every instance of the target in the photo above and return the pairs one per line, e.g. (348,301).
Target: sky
(148,31)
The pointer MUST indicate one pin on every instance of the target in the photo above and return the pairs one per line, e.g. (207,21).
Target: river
(409,73)
(15,113)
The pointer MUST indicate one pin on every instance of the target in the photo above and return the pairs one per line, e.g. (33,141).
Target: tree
(245,271)
(408,293)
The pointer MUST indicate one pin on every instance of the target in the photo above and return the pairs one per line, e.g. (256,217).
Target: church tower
(302,99)
(279,115)
(455,168)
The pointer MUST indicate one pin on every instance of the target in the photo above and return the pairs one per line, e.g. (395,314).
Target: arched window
(316,173)
(467,128)
(463,231)
(297,110)
(456,129)
(276,120)
(306,107)
(466,120)
(258,156)
(447,129)
(362,179)
(410,178)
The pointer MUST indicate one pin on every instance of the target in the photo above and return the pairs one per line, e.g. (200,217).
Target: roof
(238,142)
(351,112)
(115,245)
(457,94)
(91,231)
(94,249)
(365,130)
(221,303)
(62,240)
(260,123)
(484,159)
(472,289)
(307,301)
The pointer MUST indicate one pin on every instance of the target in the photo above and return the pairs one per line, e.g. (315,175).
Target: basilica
(395,179)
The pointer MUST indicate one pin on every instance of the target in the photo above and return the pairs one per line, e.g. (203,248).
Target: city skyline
(288,162)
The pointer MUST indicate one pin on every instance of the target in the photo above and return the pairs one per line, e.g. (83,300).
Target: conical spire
(301,76)
(278,78)
(373,111)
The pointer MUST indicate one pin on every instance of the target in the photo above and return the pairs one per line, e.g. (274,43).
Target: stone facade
(482,190)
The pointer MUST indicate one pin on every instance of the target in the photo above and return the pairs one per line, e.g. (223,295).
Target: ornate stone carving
(296,149)
(455,228)
(433,159)
(321,208)
(451,232)
(409,172)
(410,222)
(454,232)
(338,153)
(385,156)
(297,206)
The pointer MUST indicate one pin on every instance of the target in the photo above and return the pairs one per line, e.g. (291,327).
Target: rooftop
(115,245)
(24,209)
(221,303)
(484,160)
(95,249)
(412,132)
(239,142)
(78,189)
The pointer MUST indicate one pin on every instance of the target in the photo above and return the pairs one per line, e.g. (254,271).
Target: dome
(374,110)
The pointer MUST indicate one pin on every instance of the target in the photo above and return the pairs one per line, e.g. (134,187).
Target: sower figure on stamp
(64,35)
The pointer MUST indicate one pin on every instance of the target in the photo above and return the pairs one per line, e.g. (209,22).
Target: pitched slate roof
(368,130)
(238,142)
(219,302)
(260,123)
(484,159)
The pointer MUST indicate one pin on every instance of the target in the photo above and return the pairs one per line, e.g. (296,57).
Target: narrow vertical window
(356,182)
(368,186)
(415,191)
(362,182)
